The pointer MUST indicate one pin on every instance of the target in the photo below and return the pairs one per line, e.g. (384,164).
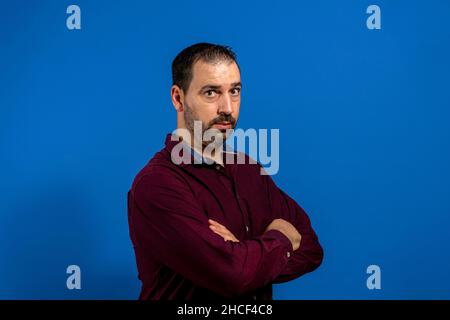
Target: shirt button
(217,167)
(288,254)
(254,297)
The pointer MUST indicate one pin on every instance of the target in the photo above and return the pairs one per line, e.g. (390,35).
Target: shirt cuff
(284,240)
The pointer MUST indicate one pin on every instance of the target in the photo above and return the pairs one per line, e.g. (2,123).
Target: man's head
(206,87)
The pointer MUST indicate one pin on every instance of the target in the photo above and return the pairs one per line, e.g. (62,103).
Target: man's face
(213,96)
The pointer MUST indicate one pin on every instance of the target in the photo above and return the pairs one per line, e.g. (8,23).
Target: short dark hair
(183,62)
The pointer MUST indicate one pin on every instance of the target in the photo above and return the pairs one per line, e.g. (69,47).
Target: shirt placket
(240,201)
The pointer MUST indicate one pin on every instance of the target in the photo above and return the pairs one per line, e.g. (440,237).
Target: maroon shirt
(179,257)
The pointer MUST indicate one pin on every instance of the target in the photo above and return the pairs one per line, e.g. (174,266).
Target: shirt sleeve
(309,255)
(168,223)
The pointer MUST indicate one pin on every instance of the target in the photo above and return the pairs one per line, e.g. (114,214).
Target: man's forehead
(221,72)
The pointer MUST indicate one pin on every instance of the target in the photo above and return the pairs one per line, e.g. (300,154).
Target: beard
(190,117)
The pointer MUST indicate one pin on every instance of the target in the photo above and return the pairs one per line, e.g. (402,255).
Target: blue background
(363,118)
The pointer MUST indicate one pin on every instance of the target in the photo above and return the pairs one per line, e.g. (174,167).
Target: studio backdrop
(359,91)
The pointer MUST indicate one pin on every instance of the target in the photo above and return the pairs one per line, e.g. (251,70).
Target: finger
(216,229)
(214,222)
(221,226)
(227,235)
(222,230)
(220,233)
(228,238)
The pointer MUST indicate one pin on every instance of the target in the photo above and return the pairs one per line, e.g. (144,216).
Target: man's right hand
(288,230)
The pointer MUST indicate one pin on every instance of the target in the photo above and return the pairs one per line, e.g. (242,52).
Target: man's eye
(210,93)
(235,91)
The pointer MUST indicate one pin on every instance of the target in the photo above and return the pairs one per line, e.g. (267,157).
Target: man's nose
(225,105)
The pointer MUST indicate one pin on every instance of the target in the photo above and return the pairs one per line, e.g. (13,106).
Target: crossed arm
(277,224)
(295,224)
(172,228)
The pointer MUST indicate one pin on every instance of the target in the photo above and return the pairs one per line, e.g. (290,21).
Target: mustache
(223,118)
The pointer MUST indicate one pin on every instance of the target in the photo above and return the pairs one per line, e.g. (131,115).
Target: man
(211,230)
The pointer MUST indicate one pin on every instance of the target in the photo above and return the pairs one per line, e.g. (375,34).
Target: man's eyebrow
(215,87)
(210,87)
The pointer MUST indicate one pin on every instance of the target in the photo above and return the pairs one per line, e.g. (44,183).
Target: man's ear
(177,96)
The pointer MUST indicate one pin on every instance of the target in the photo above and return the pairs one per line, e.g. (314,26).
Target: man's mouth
(222,125)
